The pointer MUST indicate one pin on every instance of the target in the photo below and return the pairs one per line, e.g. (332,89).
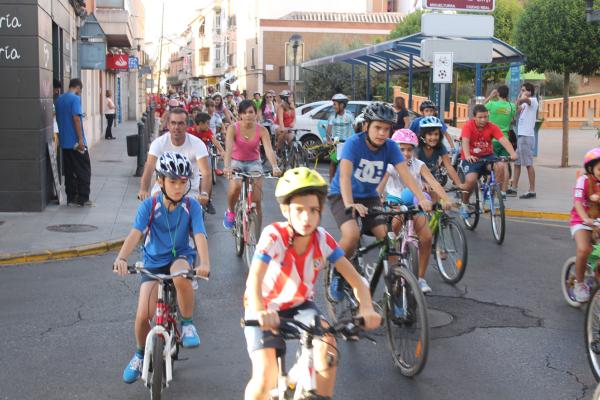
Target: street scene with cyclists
(263,200)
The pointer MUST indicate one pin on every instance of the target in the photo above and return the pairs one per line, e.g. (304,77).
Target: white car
(304,108)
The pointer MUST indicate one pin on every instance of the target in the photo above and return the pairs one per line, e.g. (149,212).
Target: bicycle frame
(302,377)
(246,203)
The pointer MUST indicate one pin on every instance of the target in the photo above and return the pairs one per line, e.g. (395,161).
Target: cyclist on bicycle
(428,109)
(477,148)
(165,222)
(242,153)
(363,163)
(231,104)
(431,150)
(221,110)
(339,128)
(396,192)
(282,284)
(286,118)
(268,108)
(586,208)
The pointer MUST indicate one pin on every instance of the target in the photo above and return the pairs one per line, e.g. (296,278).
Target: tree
(554,36)
(409,25)
(505,16)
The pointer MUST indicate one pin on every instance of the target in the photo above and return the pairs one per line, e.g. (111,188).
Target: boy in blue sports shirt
(168,218)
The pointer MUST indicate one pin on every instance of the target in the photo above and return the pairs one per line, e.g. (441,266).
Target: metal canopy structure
(404,55)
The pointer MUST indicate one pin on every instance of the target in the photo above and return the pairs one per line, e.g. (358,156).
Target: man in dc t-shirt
(179,141)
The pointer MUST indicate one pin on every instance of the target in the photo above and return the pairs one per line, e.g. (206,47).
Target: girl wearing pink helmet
(396,192)
(586,208)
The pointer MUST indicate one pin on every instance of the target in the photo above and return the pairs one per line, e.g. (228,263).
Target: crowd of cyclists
(370,164)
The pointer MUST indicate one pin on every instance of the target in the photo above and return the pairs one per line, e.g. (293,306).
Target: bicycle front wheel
(406,322)
(238,231)
(252,236)
(472,219)
(158,367)
(451,251)
(592,333)
(299,155)
(497,214)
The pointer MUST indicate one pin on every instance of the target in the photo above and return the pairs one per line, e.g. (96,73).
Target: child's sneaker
(189,336)
(228,220)
(581,292)
(133,370)
(336,292)
(424,286)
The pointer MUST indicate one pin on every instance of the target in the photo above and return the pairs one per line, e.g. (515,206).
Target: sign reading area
(464,51)
(457,25)
(468,5)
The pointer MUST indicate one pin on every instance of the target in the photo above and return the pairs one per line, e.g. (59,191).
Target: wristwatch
(204,194)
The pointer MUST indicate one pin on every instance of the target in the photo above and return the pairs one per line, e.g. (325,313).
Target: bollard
(142,151)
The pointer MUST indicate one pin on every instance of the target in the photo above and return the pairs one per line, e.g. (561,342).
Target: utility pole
(162,24)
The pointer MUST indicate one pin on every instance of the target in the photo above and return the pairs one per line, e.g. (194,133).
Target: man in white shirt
(527,105)
(179,141)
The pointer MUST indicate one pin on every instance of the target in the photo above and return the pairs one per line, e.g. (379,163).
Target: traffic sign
(134,63)
(465,5)
(442,68)
(464,51)
(457,25)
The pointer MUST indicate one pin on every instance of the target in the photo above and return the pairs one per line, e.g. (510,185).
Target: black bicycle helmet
(380,111)
(427,104)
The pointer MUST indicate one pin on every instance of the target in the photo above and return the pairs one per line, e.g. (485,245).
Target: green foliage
(409,25)
(554,36)
(553,86)
(505,19)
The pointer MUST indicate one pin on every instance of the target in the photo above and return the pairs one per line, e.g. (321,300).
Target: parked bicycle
(246,229)
(488,190)
(164,340)
(300,382)
(404,304)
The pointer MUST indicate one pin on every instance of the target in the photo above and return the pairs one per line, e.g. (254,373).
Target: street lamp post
(295,40)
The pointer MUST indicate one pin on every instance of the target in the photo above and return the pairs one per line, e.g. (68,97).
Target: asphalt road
(67,328)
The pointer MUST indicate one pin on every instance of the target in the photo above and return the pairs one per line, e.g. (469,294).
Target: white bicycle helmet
(174,165)
(358,121)
(340,98)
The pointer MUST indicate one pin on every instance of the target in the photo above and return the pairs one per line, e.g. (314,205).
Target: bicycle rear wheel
(497,214)
(299,155)
(473,219)
(238,231)
(213,166)
(348,306)
(592,333)
(406,322)
(250,245)
(158,368)
(412,256)
(451,250)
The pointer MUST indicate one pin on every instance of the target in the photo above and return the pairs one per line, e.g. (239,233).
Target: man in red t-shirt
(477,148)
(202,131)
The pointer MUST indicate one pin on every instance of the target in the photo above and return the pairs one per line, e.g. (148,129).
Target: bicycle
(592,333)
(449,245)
(213,159)
(405,309)
(292,154)
(164,339)
(300,382)
(246,229)
(492,195)
(319,152)
(568,272)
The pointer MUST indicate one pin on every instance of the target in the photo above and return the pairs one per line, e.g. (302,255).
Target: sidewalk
(113,191)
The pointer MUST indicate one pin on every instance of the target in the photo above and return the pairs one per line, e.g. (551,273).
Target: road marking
(537,223)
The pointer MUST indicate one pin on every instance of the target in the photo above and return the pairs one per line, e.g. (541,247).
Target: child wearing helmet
(291,254)
(165,222)
(285,118)
(428,109)
(586,208)
(339,128)
(397,193)
(432,151)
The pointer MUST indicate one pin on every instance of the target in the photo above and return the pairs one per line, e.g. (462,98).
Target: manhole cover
(71,228)
(437,318)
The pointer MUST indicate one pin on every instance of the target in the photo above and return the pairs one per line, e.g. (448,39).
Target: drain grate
(71,228)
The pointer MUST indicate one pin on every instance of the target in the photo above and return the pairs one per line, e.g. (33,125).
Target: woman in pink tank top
(242,153)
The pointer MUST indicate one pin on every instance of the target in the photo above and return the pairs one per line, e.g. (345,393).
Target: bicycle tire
(497,214)
(567,284)
(592,334)
(338,310)
(238,233)
(250,245)
(414,320)
(412,257)
(158,367)
(451,269)
(213,166)
(299,156)
(471,222)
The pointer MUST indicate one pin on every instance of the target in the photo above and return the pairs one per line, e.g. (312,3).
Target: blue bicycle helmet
(430,122)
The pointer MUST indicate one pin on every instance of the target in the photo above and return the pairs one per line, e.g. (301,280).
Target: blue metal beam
(368,80)
(353,84)
(477,79)
(387,80)
(410,82)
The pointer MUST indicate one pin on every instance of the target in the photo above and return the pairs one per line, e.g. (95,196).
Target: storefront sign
(117,61)
(467,5)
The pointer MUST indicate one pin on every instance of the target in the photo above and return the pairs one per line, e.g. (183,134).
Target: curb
(561,216)
(60,254)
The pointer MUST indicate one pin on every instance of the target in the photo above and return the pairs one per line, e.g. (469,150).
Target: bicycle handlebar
(240,174)
(384,210)
(290,328)
(190,274)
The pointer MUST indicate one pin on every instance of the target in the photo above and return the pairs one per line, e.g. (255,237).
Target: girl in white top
(397,193)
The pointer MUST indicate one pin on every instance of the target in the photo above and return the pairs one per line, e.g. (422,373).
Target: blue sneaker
(133,370)
(464,211)
(228,220)
(336,292)
(189,336)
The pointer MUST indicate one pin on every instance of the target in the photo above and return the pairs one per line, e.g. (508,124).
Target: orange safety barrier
(584,111)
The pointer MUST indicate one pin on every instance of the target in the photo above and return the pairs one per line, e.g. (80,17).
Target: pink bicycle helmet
(405,136)
(590,159)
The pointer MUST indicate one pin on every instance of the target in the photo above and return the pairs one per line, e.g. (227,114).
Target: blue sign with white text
(134,63)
